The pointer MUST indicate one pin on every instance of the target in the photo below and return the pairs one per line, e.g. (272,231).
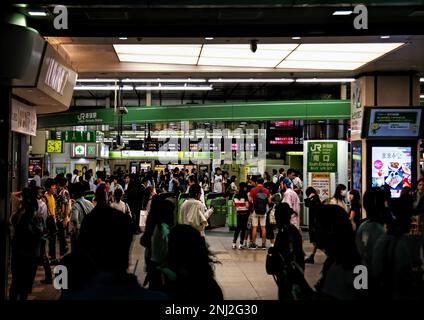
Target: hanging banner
(357,109)
(24,119)
(321,183)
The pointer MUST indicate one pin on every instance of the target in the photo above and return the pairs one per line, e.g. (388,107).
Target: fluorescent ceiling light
(240,55)
(157,80)
(171,88)
(37,13)
(123,38)
(146,53)
(329,80)
(252,80)
(294,153)
(97,80)
(421,79)
(385,37)
(296,38)
(350,47)
(319,65)
(342,13)
(209,38)
(336,56)
(189,59)
(102,88)
(330,56)
(363,57)
(422,96)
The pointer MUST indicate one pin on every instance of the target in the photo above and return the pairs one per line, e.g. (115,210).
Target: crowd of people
(94,222)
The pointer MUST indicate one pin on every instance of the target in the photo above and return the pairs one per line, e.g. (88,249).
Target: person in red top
(260,198)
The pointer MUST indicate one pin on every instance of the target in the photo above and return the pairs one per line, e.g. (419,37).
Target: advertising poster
(33,165)
(391,166)
(321,183)
(357,166)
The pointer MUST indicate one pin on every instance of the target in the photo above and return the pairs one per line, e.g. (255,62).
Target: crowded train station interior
(272,149)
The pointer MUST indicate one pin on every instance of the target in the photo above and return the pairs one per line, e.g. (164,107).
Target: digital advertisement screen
(392,166)
(357,166)
(394,122)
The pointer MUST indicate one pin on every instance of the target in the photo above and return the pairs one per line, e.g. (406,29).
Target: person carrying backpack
(260,199)
(285,260)
(80,208)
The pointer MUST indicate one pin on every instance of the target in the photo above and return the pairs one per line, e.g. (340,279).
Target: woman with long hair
(339,196)
(355,210)
(149,194)
(205,183)
(313,203)
(241,202)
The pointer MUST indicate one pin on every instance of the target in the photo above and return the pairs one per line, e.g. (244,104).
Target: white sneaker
(234,246)
(240,246)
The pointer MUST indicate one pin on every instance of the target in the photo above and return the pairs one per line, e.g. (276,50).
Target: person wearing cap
(291,198)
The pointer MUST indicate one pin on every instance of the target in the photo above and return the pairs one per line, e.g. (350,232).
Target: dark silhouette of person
(155,239)
(189,274)
(335,236)
(102,260)
(288,243)
(26,245)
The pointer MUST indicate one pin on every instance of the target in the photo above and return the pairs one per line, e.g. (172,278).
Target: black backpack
(261,201)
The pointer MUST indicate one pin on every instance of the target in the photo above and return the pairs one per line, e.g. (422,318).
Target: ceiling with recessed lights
(293,56)
(232,57)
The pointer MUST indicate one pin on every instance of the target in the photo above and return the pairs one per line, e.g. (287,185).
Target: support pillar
(379,90)
(5,189)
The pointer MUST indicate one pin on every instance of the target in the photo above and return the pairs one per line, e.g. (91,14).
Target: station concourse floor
(241,273)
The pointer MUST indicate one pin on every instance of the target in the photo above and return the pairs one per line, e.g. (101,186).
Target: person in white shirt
(115,185)
(218,181)
(193,180)
(80,208)
(290,197)
(75,178)
(118,204)
(126,182)
(274,176)
(297,184)
(192,211)
(37,178)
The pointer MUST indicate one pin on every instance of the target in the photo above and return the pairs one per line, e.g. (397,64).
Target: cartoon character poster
(391,166)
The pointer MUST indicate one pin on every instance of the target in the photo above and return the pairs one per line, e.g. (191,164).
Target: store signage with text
(321,183)
(322,156)
(80,136)
(24,119)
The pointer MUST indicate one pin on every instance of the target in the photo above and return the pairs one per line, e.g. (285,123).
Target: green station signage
(74,136)
(243,111)
(322,156)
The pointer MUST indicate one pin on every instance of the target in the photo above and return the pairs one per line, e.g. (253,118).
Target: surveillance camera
(253,45)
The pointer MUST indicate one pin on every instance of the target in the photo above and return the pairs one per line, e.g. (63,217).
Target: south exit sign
(322,156)
(80,136)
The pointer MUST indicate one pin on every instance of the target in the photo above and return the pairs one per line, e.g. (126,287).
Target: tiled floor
(241,273)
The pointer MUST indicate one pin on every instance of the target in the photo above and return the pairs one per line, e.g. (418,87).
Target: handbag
(274,263)
(288,276)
